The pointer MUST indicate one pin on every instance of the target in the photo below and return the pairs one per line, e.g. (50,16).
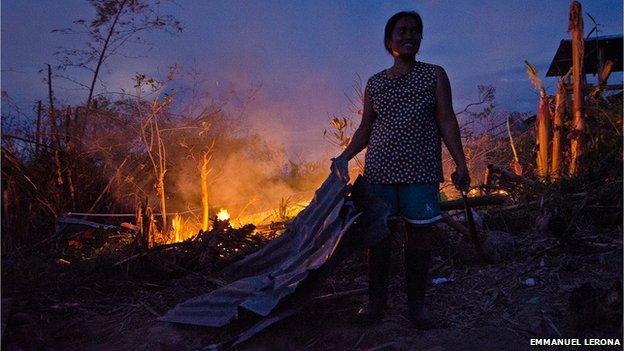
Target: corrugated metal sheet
(259,282)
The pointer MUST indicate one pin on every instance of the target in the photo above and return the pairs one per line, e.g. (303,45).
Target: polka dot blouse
(404,145)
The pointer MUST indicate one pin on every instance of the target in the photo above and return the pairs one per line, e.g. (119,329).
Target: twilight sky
(306,54)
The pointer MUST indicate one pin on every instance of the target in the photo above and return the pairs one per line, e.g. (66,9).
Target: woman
(407,112)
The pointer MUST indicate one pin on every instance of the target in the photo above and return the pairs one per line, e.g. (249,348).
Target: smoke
(249,174)
(268,143)
(251,170)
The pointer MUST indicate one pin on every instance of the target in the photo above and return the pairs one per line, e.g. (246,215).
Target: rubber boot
(378,281)
(418,244)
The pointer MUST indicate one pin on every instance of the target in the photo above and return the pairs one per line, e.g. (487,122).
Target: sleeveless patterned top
(405,145)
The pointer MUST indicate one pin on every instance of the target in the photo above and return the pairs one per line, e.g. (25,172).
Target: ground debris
(92,298)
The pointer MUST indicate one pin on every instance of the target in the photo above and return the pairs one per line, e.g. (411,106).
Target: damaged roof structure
(598,51)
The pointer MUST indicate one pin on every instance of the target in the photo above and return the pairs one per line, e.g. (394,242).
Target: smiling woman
(403,33)
(407,113)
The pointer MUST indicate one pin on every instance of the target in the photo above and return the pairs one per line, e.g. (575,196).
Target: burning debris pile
(217,247)
(206,251)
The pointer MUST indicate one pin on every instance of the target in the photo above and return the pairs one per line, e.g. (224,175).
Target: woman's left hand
(461,178)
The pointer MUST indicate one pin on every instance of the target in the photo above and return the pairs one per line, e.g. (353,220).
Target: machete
(472,228)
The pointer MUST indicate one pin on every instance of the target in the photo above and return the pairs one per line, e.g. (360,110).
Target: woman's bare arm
(447,123)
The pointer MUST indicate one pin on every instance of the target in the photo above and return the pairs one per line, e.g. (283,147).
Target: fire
(474,192)
(176,223)
(223,215)
(272,215)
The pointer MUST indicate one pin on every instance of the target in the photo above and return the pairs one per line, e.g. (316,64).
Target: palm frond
(534,78)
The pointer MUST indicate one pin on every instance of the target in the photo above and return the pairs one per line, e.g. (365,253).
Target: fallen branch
(506,174)
(340,294)
(152,250)
(485,200)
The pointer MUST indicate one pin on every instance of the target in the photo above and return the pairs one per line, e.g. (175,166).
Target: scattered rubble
(540,282)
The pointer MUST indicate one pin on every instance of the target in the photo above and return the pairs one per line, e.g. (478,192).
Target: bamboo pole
(575,27)
(560,103)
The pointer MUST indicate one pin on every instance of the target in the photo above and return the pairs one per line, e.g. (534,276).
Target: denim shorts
(417,203)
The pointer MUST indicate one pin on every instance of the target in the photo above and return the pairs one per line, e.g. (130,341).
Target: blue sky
(307,54)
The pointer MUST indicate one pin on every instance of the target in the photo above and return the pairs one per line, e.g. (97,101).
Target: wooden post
(560,103)
(575,27)
(542,124)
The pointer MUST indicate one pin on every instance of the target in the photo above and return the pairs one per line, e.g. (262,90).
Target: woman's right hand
(340,167)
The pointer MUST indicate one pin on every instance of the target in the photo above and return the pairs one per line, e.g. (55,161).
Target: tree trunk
(69,159)
(38,127)
(543,134)
(602,79)
(163,202)
(204,190)
(557,154)
(162,169)
(54,140)
(575,27)
(515,164)
(101,58)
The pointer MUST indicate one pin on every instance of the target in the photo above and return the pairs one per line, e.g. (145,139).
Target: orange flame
(176,223)
(223,215)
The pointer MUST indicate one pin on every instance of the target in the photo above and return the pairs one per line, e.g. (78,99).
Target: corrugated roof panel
(610,45)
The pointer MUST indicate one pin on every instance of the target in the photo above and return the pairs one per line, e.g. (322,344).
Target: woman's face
(406,37)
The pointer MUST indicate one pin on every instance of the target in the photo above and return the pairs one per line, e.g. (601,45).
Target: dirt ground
(494,307)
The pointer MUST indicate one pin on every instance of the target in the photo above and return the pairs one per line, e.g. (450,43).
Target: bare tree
(117,23)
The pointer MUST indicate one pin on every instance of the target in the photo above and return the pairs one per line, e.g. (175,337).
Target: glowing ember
(223,215)
(474,192)
(502,192)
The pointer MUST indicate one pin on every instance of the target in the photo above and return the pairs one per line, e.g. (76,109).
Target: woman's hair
(393,21)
